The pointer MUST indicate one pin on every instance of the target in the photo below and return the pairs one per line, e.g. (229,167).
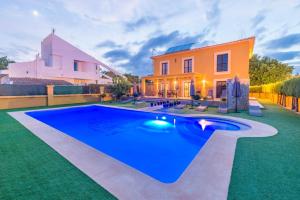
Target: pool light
(203,123)
(158,124)
(163,118)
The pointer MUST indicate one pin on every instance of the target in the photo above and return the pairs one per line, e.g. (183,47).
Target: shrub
(120,87)
(256,89)
(278,87)
(290,87)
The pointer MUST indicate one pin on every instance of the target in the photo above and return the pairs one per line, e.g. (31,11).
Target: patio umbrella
(192,90)
(236,90)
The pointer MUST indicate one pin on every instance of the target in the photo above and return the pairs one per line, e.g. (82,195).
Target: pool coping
(207,177)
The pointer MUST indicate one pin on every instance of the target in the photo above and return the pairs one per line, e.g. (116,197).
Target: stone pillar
(143,87)
(165,88)
(50,93)
(101,90)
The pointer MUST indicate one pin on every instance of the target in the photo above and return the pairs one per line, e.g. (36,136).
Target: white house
(60,60)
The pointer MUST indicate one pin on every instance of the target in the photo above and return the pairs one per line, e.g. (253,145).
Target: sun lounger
(255,111)
(201,108)
(179,106)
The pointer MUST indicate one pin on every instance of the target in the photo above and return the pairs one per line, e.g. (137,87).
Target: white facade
(60,60)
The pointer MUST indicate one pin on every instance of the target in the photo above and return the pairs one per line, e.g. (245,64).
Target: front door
(186,88)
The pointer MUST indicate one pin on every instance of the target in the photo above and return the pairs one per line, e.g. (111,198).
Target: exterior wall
(204,65)
(273,97)
(74,98)
(57,62)
(10,102)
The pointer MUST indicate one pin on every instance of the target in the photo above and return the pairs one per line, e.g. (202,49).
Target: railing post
(50,93)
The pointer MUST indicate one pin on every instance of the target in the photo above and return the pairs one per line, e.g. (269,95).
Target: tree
(264,70)
(132,78)
(4,61)
(119,87)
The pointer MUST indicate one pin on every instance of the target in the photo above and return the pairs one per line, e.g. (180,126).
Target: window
(188,66)
(164,68)
(222,63)
(75,66)
(221,89)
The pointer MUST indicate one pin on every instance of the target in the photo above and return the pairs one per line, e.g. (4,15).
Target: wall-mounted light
(203,81)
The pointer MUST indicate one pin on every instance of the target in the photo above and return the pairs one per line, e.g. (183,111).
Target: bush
(278,87)
(256,89)
(119,88)
(291,87)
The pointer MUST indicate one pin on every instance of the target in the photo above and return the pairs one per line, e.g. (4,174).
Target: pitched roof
(36,81)
(195,46)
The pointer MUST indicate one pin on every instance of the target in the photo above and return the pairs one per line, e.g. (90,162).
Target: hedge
(267,88)
(289,87)
(256,89)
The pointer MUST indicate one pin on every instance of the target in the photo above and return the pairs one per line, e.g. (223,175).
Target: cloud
(258,19)
(104,11)
(213,13)
(108,43)
(140,62)
(17,52)
(285,56)
(259,32)
(284,42)
(117,55)
(131,26)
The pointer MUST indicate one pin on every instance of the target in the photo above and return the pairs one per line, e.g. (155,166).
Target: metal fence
(22,90)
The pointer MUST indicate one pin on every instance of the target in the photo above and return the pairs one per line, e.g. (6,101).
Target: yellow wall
(9,102)
(204,63)
(74,98)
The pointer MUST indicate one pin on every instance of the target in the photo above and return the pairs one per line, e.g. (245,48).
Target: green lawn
(264,168)
(30,169)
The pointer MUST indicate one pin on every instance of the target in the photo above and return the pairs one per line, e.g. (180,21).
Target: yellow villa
(210,67)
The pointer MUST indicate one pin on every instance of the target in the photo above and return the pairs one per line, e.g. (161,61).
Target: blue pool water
(159,145)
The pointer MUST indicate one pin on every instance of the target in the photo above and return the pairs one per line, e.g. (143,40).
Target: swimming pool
(159,145)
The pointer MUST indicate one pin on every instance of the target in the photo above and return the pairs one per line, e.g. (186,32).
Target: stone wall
(243,101)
